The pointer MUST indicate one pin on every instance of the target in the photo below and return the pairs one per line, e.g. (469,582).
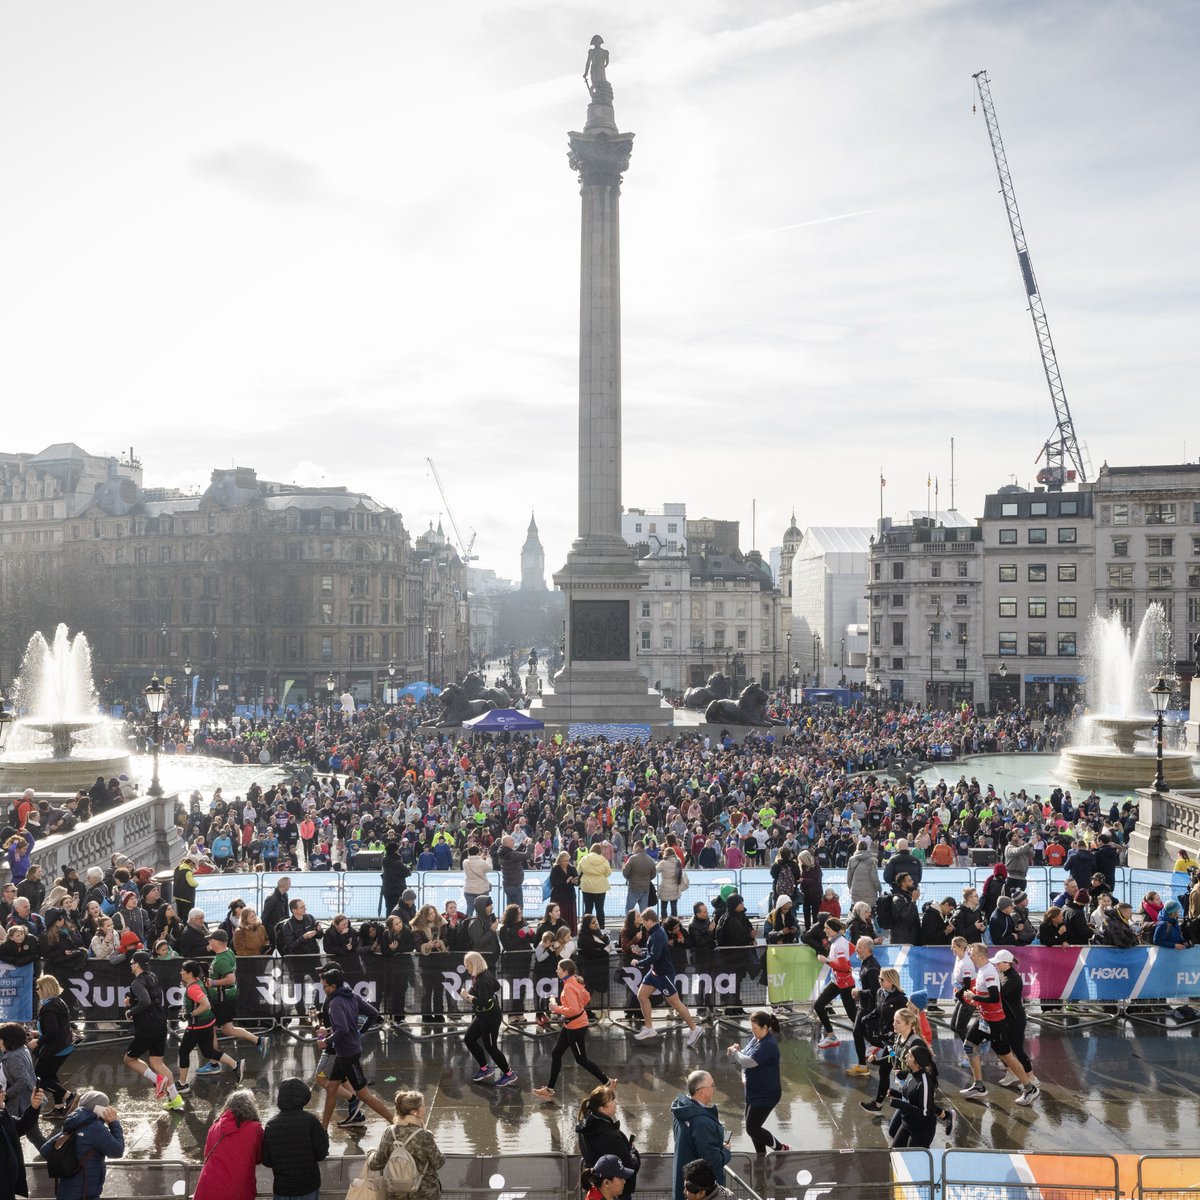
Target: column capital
(600,159)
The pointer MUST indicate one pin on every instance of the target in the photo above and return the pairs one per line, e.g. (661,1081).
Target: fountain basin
(51,774)
(1109,767)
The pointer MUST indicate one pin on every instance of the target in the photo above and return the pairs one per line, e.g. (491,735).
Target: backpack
(62,1159)
(883,911)
(786,882)
(400,1172)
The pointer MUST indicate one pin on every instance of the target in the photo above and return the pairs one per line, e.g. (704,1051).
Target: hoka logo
(1108,972)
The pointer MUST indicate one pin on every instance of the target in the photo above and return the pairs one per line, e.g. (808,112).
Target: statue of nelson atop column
(594,73)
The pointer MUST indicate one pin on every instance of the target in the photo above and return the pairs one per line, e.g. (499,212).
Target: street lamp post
(429,654)
(187,674)
(156,696)
(330,688)
(1160,693)
(442,659)
(842,665)
(391,670)
(796,681)
(962,639)
(787,665)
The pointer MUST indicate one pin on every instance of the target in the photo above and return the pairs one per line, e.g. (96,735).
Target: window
(897,633)
(960,599)
(1008,644)
(326,549)
(645,608)
(1123,607)
(645,642)
(1066,645)
(897,570)
(876,599)
(1067,572)
(1195,544)
(1120,514)
(1160,547)
(1168,607)
(1008,537)
(718,639)
(359,614)
(1160,577)
(741,639)
(1008,573)
(1068,508)
(668,608)
(1067,606)
(1193,575)
(327,584)
(672,527)
(1038,508)
(1119,576)
(935,570)
(1194,610)
(1158,513)
(1037,573)
(961,564)
(1037,607)
(1008,606)
(1037,536)
(327,647)
(1008,508)
(719,608)
(935,602)
(359,586)
(897,599)
(210,585)
(1067,535)
(1037,645)
(875,633)
(877,570)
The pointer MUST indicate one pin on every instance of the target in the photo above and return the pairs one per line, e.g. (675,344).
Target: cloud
(263,172)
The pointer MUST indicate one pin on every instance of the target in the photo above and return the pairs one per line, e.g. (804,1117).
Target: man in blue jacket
(698,1129)
(98,1136)
(342,1037)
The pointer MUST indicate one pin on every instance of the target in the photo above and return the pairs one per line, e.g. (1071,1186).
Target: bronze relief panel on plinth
(599,630)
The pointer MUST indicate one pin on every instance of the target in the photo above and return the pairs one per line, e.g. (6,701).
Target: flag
(882,481)
(928,480)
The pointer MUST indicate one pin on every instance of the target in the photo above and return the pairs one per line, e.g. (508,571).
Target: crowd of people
(799,799)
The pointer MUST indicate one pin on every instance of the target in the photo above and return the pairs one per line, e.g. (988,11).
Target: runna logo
(807,1189)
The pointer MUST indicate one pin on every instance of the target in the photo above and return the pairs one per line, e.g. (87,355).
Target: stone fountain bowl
(57,764)
(1123,732)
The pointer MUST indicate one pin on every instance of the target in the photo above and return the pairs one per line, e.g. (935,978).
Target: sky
(331,241)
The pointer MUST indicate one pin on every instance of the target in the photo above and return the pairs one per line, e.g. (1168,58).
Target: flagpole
(882,485)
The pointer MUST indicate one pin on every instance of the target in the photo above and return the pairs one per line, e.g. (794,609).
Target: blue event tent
(503,720)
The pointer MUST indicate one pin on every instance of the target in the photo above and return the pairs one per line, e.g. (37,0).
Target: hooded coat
(95,1141)
(294,1142)
(698,1134)
(13,1180)
(231,1152)
(600,1135)
(862,878)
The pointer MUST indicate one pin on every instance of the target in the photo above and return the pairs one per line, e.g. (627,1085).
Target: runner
(344,1008)
(222,986)
(572,1007)
(990,1024)
(201,1029)
(658,975)
(482,1036)
(841,983)
(149,1016)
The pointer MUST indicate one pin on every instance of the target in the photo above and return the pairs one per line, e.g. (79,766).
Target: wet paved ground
(1113,1088)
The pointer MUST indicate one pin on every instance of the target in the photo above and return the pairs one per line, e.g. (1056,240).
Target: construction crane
(1064,463)
(464,548)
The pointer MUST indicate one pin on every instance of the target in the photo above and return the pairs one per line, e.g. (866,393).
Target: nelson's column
(600,680)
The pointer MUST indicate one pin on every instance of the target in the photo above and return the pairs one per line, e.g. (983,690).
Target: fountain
(1117,749)
(59,740)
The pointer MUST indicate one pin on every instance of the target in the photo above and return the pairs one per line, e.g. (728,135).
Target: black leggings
(574,1039)
(763,1139)
(594,902)
(665,905)
(48,1066)
(203,1040)
(828,994)
(481,1039)
(909,1131)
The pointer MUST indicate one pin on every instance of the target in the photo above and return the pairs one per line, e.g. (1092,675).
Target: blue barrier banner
(16,993)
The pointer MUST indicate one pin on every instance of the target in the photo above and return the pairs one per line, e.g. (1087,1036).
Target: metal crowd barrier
(357,893)
(875,1174)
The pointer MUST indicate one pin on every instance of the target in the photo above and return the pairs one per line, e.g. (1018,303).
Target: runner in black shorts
(984,995)
(147,1050)
(344,1008)
(222,987)
(201,1030)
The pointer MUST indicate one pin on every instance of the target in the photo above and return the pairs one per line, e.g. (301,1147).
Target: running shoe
(264,1044)
(161,1083)
(544,1093)
(507,1078)
(780,1148)
(1029,1093)
(483,1074)
(353,1105)
(645,1033)
(974,1091)
(828,1042)
(354,1118)
(871,1106)
(858,1069)
(239,1070)
(183,1089)
(694,1035)
(947,1120)
(1008,1080)
(209,1068)
(175,1105)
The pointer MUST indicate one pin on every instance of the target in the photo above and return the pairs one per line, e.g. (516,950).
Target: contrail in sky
(802,224)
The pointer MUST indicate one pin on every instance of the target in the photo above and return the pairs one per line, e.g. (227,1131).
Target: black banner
(411,984)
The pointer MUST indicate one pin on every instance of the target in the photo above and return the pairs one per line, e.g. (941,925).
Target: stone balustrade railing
(143,830)
(1168,822)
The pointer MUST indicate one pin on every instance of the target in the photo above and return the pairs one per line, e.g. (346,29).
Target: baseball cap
(1003,955)
(142,957)
(609,1166)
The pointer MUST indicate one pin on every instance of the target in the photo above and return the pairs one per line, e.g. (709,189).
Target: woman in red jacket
(232,1150)
(572,1007)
